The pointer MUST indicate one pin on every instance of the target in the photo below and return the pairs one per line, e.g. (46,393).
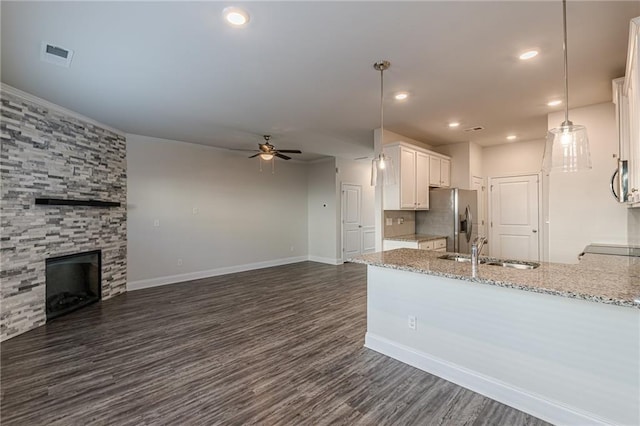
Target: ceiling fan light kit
(382,166)
(567,146)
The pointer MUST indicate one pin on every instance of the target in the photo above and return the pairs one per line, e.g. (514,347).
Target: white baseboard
(326,260)
(172,279)
(536,405)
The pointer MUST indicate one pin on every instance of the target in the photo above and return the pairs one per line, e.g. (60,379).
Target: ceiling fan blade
(254,155)
(240,149)
(284,157)
(290,151)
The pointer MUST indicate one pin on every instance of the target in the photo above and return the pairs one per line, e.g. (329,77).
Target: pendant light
(567,147)
(382,166)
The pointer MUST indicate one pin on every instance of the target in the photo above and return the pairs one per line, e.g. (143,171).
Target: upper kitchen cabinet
(627,100)
(411,190)
(439,171)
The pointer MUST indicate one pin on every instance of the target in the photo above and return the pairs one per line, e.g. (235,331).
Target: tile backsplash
(402,223)
(634,226)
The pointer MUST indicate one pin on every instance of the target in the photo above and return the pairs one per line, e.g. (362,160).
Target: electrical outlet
(179,262)
(156,222)
(389,221)
(400,220)
(413,322)
(195,210)
(292,248)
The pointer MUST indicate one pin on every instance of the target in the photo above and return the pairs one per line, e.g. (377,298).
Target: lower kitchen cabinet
(437,245)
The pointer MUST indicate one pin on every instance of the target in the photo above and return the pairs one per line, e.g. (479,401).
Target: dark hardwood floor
(282,345)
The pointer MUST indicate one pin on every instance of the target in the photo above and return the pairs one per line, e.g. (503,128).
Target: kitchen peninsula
(561,342)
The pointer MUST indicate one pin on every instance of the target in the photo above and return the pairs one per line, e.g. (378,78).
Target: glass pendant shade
(382,171)
(567,149)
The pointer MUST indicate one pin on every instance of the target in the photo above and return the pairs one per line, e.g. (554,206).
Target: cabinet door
(445,172)
(434,171)
(407,179)
(426,245)
(422,181)
(440,244)
(634,133)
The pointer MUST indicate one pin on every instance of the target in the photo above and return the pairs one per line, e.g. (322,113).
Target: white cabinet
(632,92)
(411,190)
(394,244)
(422,180)
(439,172)
(437,245)
(626,96)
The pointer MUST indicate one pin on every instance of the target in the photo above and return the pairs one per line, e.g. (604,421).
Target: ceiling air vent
(56,55)
(474,129)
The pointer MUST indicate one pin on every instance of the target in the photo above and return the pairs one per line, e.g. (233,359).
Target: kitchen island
(561,342)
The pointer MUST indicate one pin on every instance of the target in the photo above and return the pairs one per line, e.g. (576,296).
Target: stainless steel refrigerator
(452,213)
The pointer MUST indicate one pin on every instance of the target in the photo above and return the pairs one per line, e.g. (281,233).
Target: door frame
(489,200)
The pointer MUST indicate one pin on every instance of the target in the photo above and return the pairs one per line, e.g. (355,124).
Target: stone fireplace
(47,151)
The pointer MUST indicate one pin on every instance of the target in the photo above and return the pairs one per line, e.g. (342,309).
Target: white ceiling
(302,71)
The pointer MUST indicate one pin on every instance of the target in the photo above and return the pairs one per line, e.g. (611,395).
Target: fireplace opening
(72,281)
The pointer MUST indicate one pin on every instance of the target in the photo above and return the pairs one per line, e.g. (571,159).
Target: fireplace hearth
(72,281)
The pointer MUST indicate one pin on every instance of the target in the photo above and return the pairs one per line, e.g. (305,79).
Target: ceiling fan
(267,151)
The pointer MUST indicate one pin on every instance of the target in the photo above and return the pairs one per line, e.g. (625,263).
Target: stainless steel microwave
(620,190)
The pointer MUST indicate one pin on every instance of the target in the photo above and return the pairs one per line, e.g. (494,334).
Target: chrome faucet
(476,249)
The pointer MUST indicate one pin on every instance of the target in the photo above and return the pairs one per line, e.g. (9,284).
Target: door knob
(534,231)
(359,226)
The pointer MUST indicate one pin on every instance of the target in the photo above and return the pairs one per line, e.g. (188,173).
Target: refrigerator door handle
(469,220)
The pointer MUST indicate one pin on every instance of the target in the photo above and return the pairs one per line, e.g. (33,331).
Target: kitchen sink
(456,257)
(515,264)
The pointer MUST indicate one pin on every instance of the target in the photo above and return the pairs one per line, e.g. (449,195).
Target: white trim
(50,105)
(172,279)
(326,260)
(536,405)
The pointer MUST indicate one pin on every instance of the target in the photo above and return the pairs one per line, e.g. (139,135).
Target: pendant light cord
(381,106)
(566,66)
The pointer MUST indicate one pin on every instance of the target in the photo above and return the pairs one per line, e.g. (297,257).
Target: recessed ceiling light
(454,124)
(528,54)
(511,137)
(555,103)
(401,96)
(235,16)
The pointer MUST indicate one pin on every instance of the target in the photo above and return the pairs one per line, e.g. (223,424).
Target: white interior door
(351,216)
(478,185)
(514,217)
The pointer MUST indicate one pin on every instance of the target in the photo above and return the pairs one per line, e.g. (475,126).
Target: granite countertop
(598,278)
(420,238)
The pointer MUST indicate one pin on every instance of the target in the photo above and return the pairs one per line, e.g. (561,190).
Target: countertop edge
(486,281)
(418,238)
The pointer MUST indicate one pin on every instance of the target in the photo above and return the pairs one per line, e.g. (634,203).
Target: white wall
(514,158)
(581,208)
(245,218)
(322,206)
